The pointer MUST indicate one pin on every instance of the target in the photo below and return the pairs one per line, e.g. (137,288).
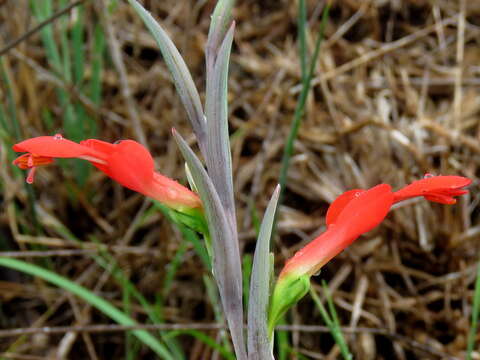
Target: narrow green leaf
(226,259)
(221,21)
(181,75)
(331,320)
(91,298)
(302,99)
(259,347)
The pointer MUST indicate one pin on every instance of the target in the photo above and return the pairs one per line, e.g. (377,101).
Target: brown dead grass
(396,96)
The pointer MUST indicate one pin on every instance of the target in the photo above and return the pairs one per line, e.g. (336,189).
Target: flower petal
(131,165)
(447,186)
(337,206)
(362,213)
(53,146)
(365,211)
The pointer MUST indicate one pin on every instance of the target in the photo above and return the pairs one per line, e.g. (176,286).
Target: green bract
(288,291)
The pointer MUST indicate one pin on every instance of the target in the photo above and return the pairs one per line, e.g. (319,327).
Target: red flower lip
(441,189)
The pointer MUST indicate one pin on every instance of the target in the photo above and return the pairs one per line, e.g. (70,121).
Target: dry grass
(396,96)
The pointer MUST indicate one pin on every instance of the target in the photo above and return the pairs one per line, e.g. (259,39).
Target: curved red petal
(337,206)
(365,211)
(103,147)
(53,146)
(432,185)
(131,165)
(361,214)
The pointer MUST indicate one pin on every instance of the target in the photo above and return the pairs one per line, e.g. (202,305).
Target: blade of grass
(475,314)
(99,44)
(306,85)
(247,263)
(302,38)
(91,298)
(127,308)
(331,320)
(109,263)
(282,342)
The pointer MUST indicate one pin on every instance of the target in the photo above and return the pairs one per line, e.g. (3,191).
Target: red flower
(127,162)
(360,212)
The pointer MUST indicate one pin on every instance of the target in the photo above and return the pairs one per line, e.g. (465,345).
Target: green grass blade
(98,52)
(331,320)
(300,106)
(78,41)
(475,314)
(282,341)
(247,263)
(302,38)
(9,115)
(92,299)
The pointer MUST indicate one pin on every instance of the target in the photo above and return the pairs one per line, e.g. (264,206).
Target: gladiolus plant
(209,208)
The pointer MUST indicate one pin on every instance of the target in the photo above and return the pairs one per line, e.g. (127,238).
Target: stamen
(31,175)
(30,161)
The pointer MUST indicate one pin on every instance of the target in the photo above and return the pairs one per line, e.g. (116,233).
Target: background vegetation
(395,96)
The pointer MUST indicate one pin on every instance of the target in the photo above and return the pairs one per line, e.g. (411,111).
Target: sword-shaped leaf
(218,157)
(181,75)
(226,254)
(258,340)
(221,21)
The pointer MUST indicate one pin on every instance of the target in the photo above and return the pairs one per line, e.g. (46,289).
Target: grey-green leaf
(181,75)
(259,347)
(221,20)
(218,157)
(226,258)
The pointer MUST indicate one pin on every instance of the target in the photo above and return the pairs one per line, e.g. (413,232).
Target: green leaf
(181,75)
(218,156)
(226,253)
(221,21)
(259,347)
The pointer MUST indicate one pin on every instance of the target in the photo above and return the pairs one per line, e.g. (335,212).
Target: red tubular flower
(127,162)
(360,212)
(353,213)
